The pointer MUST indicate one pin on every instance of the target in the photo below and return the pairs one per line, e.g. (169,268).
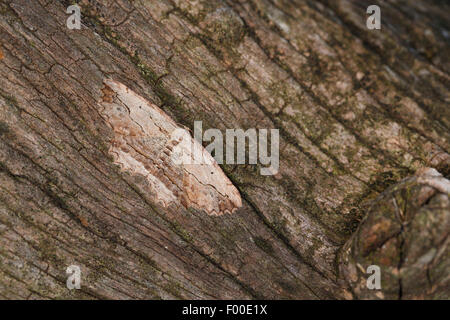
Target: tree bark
(358,111)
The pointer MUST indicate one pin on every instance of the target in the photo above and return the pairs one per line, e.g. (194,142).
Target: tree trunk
(358,111)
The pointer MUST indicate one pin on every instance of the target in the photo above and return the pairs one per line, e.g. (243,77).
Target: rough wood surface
(358,111)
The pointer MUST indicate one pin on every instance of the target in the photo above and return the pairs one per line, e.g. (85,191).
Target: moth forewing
(177,168)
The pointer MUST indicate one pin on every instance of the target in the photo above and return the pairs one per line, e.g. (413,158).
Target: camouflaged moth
(147,142)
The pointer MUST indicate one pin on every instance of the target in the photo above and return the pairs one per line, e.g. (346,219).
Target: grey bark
(358,110)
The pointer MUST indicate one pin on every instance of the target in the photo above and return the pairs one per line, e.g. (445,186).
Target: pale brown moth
(145,139)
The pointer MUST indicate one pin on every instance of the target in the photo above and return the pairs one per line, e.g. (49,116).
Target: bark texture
(358,111)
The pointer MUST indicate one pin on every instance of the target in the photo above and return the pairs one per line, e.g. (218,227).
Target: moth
(147,142)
